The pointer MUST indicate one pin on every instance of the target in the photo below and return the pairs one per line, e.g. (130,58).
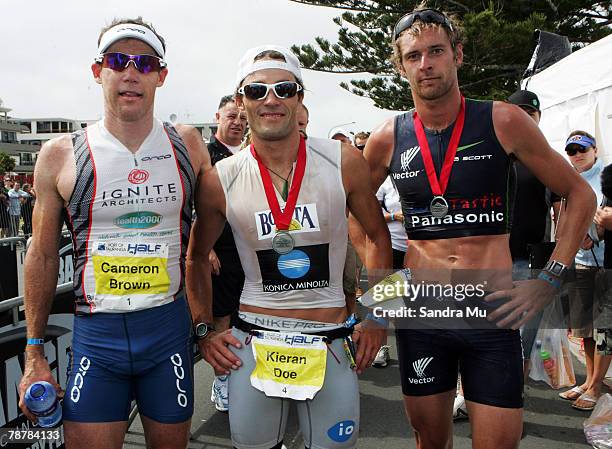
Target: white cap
(344,132)
(131,31)
(248,65)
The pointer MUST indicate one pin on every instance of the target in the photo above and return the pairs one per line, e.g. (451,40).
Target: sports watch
(201,330)
(555,268)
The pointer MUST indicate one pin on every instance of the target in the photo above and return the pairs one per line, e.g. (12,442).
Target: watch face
(201,330)
(556,268)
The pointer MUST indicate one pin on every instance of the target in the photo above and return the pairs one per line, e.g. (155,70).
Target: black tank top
(481,188)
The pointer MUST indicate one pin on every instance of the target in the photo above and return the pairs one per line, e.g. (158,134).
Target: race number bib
(289,365)
(123,268)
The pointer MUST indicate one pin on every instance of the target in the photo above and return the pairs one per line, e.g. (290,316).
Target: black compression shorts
(490,363)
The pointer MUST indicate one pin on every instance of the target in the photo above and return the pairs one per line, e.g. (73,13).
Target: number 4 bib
(289,365)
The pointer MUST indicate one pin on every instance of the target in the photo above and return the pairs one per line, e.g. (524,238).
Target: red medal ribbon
(283,219)
(438,188)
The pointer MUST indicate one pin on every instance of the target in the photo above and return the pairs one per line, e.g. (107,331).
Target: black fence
(12,224)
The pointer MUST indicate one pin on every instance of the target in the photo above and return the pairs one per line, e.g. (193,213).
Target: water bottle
(41,399)
(549,364)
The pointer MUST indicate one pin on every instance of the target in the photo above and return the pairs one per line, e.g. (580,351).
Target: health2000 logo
(138,176)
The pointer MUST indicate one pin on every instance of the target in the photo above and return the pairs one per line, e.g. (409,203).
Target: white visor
(248,65)
(336,131)
(131,31)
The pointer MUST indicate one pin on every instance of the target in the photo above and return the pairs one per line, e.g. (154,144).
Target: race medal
(438,206)
(282,242)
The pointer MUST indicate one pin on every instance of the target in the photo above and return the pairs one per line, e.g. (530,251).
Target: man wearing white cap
(124,187)
(285,198)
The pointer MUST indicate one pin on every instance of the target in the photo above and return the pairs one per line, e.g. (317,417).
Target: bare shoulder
(379,149)
(513,127)
(506,114)
(54,151)
(55,169)
(354,166)
(198,153)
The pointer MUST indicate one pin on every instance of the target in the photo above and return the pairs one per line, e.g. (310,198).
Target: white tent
(576,93)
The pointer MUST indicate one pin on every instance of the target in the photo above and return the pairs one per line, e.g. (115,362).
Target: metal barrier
(14,303)
(14,225)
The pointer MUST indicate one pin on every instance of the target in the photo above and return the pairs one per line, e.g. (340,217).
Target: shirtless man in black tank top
(458,216)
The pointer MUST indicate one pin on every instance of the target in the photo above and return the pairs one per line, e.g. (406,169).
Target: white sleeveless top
(310,276)
(130,217)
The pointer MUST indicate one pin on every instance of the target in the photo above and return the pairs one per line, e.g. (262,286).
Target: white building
(24,155)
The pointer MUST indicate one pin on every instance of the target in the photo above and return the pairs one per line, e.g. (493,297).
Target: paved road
(550,423)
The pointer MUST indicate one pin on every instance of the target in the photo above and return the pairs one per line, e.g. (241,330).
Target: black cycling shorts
(490,362)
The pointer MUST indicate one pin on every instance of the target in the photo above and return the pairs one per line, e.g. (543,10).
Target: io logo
(341,431)
(138,176)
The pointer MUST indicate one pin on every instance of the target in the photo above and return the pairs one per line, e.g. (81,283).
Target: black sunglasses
(259,91)
(572,149)
(120,61)
(425,16)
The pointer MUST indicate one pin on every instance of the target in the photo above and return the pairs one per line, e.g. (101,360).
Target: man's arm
(367,213)
(42,260)
(210,210)
(519,135)
(377,152)
(198,153)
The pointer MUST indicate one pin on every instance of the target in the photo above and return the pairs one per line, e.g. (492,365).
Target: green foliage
(7,163)
(498,42)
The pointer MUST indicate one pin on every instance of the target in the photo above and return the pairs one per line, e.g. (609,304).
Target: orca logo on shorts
(419,367)
(79,379)
(179,372)
(138,176)
(341,431)
(294,265)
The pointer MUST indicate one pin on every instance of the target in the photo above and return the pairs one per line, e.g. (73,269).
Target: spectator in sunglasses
(361,139)
(581,149)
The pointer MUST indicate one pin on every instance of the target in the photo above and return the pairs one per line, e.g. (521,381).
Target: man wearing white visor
(124,186)
(285,198)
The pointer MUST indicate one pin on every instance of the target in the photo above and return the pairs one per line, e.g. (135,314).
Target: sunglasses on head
(425,16)
(259,91)
(120,61)
(572,149)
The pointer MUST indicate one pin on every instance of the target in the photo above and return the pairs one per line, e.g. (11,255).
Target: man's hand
(36,369)
(214,349)
(587,243)
(525,299)
(215,264)
(603,217)
(368,336)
